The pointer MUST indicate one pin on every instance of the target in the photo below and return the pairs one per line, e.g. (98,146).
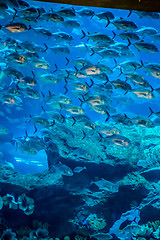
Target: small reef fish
(79,169)
(105,185)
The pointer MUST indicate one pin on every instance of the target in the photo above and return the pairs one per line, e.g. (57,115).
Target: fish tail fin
(33,74)
(93,52)
(108,116)
(74,121)
(46,47)
(91,83)
(130,12)
(115,61)
(107,22)
(121,72)
(67,61)
(84,135)
(82,101)
(76,69)
(52,123)
(152,89)
(35,129)
(65,87)
(56,68)
(126,116)
(43,109)
(84,35)
(66,83)
(50,94)
(14,15)
(142,65)
(43,95)
(114,34)
(29,28)
(63,118)
(67,73)
(129,42)
(101,137)
(39,13)
(151,112)
(26,134)
(92,16)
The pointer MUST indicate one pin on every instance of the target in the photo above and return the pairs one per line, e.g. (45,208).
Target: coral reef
(26,204)
(8,235)
(95,223)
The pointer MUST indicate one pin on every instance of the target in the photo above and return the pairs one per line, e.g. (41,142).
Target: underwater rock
(8,235)
(152,174)
(28,181)
(1,202)
(40,233)
(95,223)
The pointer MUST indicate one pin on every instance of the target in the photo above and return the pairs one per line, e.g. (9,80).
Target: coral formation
(26,204)
(8,235)
(95,223)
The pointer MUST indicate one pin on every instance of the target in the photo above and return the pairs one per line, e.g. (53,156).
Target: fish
(74,110)
(143,93)
(147,31)
(71,23)
(98,37)
(129,66)
(105,185)
(109,53)
(63,169)
(152,68)
(146,14)
(10,71)
(85,12)
(40,63)
(132,36)
(16,57)
(79,169)
(102,236)
(3,130)
(81,154)
(137,79)
(119,84)
(62,37)
(29,11)
(67,12)
(142,122)
(119,140)
(123,24)
(122,118)
(60,49)
(108,131)
(43,31)
(26,82)
(16,27)
(31,93)
(11,100)
(146,47)
(105,15)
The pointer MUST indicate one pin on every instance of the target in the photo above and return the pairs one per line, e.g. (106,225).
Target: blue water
(16,118)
